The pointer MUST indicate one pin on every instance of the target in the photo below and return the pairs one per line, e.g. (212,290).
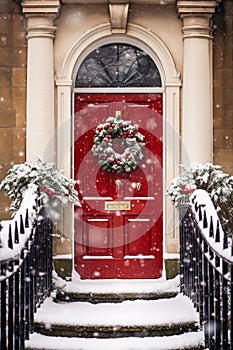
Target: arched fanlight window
(118,65)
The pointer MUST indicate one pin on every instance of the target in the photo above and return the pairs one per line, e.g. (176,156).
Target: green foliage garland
(210,178)
(49,183)
(110,160)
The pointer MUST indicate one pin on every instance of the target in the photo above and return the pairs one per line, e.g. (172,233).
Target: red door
(118,230)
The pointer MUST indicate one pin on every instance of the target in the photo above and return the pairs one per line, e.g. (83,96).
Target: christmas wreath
(108,158)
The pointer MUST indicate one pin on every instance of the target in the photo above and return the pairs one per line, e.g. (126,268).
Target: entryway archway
(119,229)
(66,73)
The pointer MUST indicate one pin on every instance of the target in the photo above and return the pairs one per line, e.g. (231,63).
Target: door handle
(138,186)
(118,183)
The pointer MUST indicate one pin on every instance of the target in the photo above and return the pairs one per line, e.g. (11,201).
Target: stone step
(192,340)
(139,318)
(114,291)
(116,315)
(96,298)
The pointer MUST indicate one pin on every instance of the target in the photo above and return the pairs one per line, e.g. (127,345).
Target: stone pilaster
(197,119)
(40,75)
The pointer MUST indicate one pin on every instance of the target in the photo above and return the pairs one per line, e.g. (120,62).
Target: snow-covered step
(191,340)
(115,290)
(129,318)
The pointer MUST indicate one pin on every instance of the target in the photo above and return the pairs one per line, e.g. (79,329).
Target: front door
(118,230)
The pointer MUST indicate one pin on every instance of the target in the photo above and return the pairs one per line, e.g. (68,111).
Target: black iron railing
(207,271)
(25,278)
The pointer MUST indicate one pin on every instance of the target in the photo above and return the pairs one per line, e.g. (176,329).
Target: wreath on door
(109,159)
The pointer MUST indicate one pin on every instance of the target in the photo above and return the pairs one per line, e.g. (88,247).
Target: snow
(188,340)
(118,286)
(142,313)
(171,256)
(29,203)
(202,198)
(128,313)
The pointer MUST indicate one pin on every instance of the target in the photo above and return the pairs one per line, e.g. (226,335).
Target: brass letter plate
(117,206)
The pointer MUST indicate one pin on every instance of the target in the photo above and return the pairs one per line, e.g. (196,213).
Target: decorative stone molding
(118,10)
(141,2)
(196,15)
(41,15)
(35,7)
(41,32)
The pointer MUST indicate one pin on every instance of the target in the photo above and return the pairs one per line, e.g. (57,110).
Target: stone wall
(12,90)
(223,86)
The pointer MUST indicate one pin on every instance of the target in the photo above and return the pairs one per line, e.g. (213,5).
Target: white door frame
(156,49)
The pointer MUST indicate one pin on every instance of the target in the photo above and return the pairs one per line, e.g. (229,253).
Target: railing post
(17,309)
(183,237)
(11,307)
(206,295)
(217,305)
(22,302)
(231,309)
(224,305)
(3,309)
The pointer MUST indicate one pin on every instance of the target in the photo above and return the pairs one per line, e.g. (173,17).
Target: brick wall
(12,90)
(223,87)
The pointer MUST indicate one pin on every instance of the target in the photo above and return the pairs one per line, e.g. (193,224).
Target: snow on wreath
(50,184)
(102,149)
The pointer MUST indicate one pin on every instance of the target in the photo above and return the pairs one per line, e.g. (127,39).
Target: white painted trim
(87,257)
(139,198)
(139,220)
(97,198)
(140,257)
(132,90)
(98,220)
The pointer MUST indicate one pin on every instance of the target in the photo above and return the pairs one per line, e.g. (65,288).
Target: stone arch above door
(136,34)
(152,45)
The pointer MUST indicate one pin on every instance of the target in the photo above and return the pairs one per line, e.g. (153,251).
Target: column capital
(196,16)
(40,16)
(40,7)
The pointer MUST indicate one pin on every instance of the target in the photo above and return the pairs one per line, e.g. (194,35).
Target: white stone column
(197,116)
(40,77)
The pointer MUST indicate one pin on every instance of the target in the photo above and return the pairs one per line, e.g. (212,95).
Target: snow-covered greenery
(50,184)
(208,177)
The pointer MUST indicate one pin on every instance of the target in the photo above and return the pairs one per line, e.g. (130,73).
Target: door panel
(118,230)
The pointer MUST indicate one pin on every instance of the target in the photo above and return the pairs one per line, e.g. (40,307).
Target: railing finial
(16,235)
(10,242)
(225,241)
(217,236)
(26,219)
(21,225)
(199,213)
(211,231)
(196,207)
(205,222)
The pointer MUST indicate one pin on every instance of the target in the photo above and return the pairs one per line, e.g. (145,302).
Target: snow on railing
(16,232)
(207,269)
(209,223)
(25,270)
